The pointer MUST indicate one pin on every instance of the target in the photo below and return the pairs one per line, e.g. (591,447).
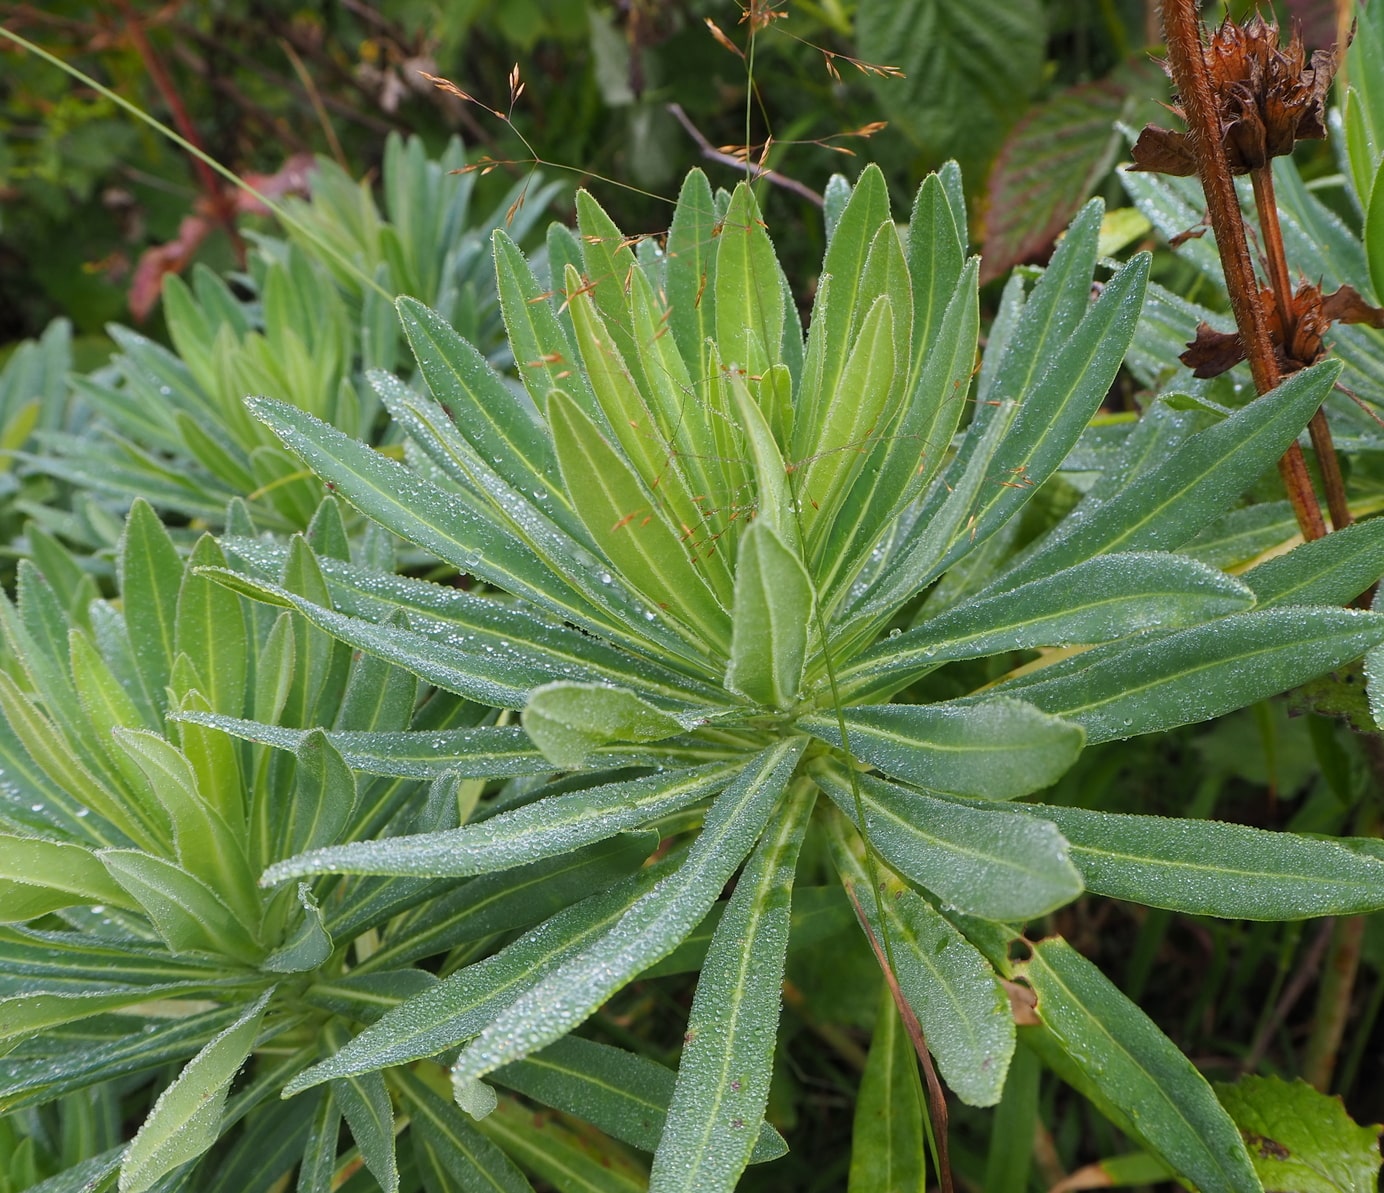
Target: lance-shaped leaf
(310,944)
(365,1105)
(38,876)
(186,1119)
(450,1151)
(987,863)
(649,930)
(772,620)
(150,576)
(1199,673)
(560,1157)
(545,828)
(624,1094)
(1331,570)
(567,721)
(961,1007)
(629,527)
(998,748)
(691,253)
(457,1008)
(749,300)
(188,914)
(1167,504)
(1122,1053)
(324,797)
(722,1086)
(1208,867)
(1108,597)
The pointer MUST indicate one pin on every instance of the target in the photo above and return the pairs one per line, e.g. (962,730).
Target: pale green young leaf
(189,914)
(984,862)
(150,576)
(649,930)
(774,497)
(1124,1055)
(566,721)
(321,661)
(607,260)
(65,875)
(215,762)
(749,299)
(849,426)
(106,702)
(1195,674)
(209,628)
(772,620)
(624,1094)
(186,1119)
(717,1110)
(274,670)
(936,255)
(691,254)
(631,529)
(308,946)
(324,798)
(202,839)
(887,1133)
(451,1153)
(962,1009)
(999,749)
(545,828)
(1101,599)
(1207,867)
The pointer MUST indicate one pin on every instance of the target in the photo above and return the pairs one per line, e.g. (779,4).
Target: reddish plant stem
(1266,203)
(1182,33)
(206,178)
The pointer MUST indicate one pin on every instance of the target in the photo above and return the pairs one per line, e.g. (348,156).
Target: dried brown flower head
(1296,345)
(1267,97)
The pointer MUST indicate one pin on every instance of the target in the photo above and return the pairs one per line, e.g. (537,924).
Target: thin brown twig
(711,153)
(1302,978)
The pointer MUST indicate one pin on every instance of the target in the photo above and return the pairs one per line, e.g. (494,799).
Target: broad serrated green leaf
(1000,749)
(1301,1139)
(542,829)
(1120,1050)
(1199,673)
(984,862)
(649,930)
(772,620)
(715,1116)
(186,1119)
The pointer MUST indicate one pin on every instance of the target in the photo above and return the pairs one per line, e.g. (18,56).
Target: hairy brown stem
(1182,32)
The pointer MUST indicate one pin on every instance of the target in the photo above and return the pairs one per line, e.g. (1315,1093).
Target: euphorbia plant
(710,551)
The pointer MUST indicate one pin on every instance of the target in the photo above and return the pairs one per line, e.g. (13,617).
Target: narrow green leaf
(630,528)
(317,1171)
(691,256)
(621,1093)
(567,721)
(1108,597)
(961,1007)
(1195,674)
(66,875)
(545,828)
(1332,570)
(368,1112)
(186,1119)
(209,627)
(1168,503)
(887,1132)
(559,1157)
(717,1110)
(749,301)
(999,749)
(1207,867)
(771,622)
(324,797)
(1130,1061)
(151,575)
(451,1152)
(188,914)
(310,944)
(649,930)
(985,862)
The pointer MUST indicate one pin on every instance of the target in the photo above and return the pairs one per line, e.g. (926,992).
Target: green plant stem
(1182,32)
(1334,997)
